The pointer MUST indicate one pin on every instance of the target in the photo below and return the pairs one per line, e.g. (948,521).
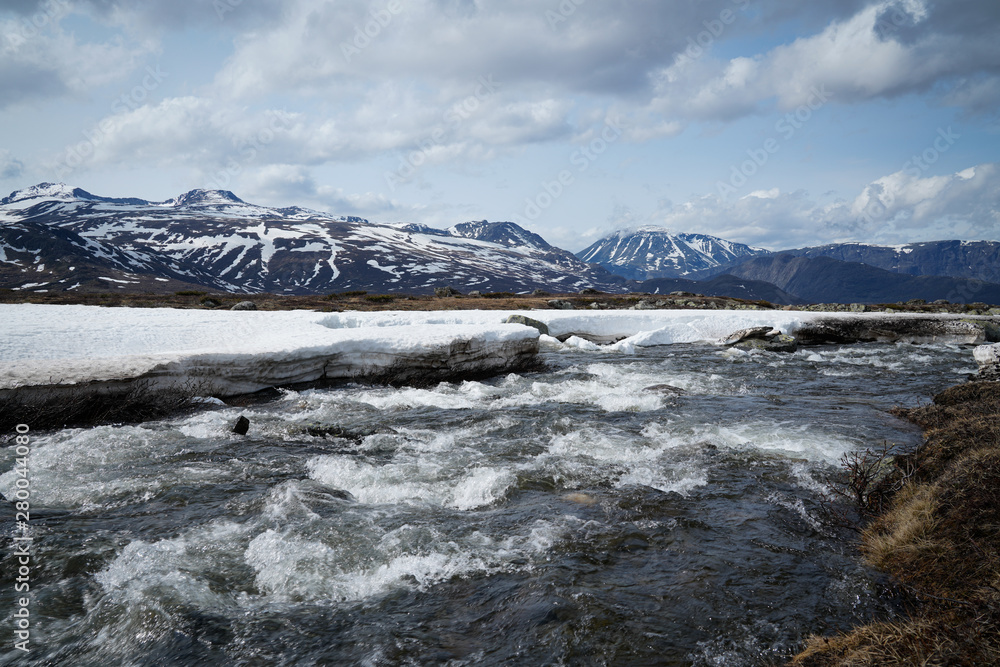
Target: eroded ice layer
(227,352)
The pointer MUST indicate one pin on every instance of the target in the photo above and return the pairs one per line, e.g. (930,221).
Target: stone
(681,294)
(560,304)
(590,290)
(245,305)
(645,304)
(474,293)
(241,426)
(539,292)
(667,389)
(988,358)
(991,330)
(858,308)
(747,334)
(542,327)
(445,291)
(779,343)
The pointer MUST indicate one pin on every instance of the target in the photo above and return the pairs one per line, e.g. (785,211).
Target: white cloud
(898,208)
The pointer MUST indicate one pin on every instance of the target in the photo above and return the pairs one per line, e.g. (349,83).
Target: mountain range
(53,237)
(57,238)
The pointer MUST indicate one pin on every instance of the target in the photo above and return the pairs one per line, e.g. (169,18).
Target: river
(580,515)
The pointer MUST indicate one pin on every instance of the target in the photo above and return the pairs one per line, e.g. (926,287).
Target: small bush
(380,298)
(498,295)
(190,292)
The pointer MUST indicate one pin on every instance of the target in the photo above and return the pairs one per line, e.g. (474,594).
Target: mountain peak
(42,191)
(205,197)
(656,252)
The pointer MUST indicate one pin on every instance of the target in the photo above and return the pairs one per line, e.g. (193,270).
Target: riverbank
(105,363)
(940,540)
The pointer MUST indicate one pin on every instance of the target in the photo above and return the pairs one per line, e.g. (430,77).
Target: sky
(777,123)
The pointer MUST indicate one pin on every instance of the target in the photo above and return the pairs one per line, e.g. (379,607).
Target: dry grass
(941,541)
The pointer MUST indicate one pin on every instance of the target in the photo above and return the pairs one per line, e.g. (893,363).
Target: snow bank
(245,351)
(231,352)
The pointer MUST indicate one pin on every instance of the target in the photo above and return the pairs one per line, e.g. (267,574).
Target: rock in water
(988,358)
(241,426)
(779,343)
(749,334)
(245,305)
(527,321)
(667,389)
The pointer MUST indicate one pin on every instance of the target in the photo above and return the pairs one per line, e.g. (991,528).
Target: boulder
(779,343)
(245,305)
(539,292)
(241,426)
(560,304)
(748,334)
(446,291)
(474,293)
(666,389)
(542,327)
(988,358)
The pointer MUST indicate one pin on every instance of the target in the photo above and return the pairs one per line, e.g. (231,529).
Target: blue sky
(777,123)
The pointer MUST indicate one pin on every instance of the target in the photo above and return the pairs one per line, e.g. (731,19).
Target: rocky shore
(940,540)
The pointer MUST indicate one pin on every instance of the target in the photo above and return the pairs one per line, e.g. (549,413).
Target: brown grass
(941,541)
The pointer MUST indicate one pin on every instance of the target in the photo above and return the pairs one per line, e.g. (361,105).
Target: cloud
(39,59)
(898,208)
(884,50)
(10,167)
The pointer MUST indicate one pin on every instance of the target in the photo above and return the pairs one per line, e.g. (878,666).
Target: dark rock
(539,292)
(337,431)
(446,291)
(891,329)
(210,303)
(245,305)
(560,304)
(241,426)
(670,390)
(779,343)
(747,334)
(527,321)
(590,290)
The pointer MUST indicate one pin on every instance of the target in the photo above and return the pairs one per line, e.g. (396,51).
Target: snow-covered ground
(242,351)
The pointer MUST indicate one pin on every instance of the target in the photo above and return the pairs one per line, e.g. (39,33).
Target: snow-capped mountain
(959,259)
(655,252)
(55,237)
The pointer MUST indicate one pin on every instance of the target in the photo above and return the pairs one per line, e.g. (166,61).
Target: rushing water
(572,516)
